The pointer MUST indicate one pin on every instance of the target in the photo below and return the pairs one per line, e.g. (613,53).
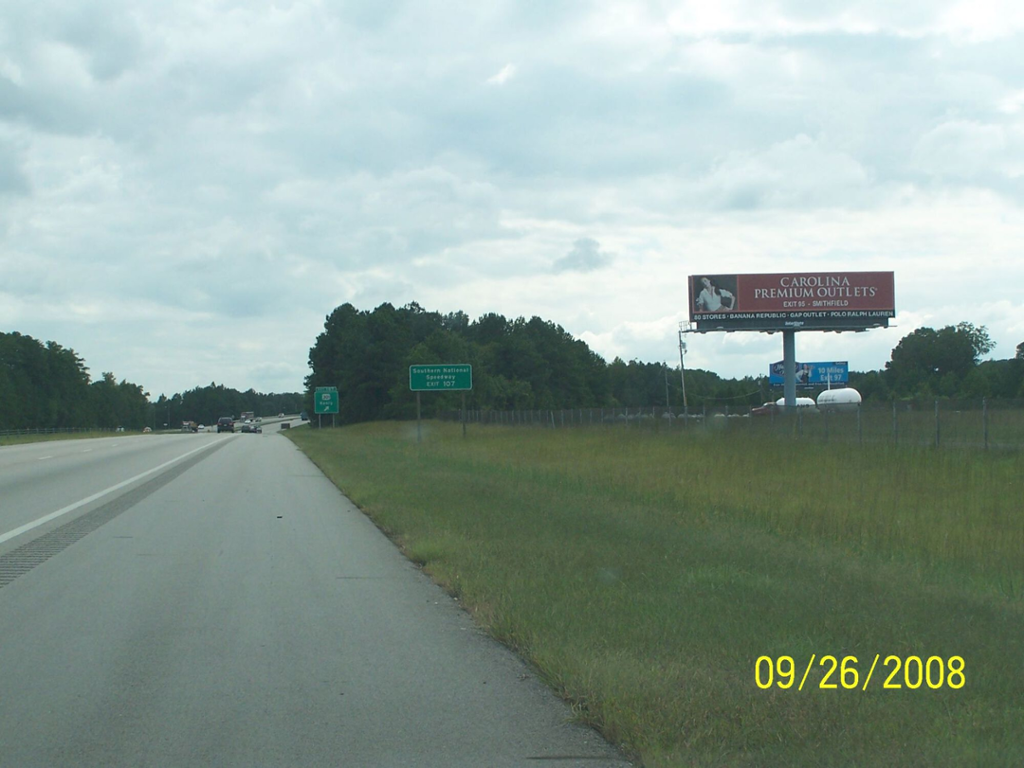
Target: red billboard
(806,301)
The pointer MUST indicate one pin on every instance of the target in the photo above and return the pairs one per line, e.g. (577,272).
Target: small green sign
(442,378)
(325,400)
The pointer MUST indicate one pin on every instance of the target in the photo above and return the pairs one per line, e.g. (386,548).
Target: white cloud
(585,256)
(1012,104)
(180,176)
(797,172)
(963,148)
(507,73)
(977,21)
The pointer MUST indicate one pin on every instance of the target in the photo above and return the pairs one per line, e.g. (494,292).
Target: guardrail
(59,431)
(112,430)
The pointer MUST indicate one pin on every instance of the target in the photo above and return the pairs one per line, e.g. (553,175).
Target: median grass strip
(46,437)
(644,575)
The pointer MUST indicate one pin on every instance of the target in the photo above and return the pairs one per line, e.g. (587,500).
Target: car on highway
(225,424)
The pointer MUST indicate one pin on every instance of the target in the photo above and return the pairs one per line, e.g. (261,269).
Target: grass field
(644,576)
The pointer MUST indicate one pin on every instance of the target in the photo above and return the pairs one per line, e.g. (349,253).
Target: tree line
(944,363)
(204,405)
(47,386)
(517,364)
(535,364)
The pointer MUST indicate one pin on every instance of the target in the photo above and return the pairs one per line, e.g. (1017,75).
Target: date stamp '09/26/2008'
(898,672)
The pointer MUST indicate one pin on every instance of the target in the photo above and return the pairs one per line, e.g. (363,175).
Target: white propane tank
(846,399)
(801,402)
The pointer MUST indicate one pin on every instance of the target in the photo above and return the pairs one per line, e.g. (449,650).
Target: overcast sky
(188,188)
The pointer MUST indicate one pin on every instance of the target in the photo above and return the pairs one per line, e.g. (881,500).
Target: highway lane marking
(89,499)
(41,458)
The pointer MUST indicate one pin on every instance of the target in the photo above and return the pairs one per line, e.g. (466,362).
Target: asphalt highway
(213,600)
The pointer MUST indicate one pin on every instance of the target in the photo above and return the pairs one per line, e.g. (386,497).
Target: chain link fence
(951,423)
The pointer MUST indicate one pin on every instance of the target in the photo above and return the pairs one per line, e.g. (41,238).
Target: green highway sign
(440,378)
(325,400)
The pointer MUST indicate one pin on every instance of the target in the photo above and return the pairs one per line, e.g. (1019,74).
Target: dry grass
(644,574)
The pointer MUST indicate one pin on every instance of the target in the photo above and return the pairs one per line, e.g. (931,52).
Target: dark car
(225,424)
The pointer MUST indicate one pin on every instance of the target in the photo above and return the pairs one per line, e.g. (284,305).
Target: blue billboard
(812,374)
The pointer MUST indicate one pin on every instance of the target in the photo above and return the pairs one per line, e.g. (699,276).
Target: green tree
(929,362)
(871,385)
(42,385)
(995,378)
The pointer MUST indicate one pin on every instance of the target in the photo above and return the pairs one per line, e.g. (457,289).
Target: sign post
(325,400)
(443,377)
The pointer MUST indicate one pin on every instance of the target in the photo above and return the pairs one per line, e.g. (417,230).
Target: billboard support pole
(789,367)
(419,426)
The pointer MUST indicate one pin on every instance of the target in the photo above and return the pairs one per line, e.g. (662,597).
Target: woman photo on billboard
(713,299)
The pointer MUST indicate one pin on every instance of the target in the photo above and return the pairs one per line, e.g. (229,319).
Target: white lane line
(87,450)
(42,458)
(89,499)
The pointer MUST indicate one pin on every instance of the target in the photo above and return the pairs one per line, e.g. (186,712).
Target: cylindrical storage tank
(801,402)
(846,399)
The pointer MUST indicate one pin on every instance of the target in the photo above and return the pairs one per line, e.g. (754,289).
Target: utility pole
(682,368)
(665,367)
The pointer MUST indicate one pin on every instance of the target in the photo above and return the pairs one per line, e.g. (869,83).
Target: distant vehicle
(304,416)
(225,424)
(248,415)
(253,428)
(146,430)
(280,415)
(201,428)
